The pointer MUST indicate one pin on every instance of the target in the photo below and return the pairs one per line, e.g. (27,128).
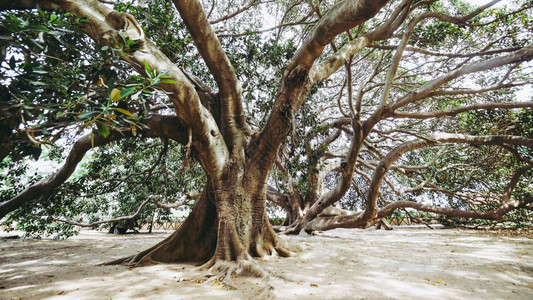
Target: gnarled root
(223,271)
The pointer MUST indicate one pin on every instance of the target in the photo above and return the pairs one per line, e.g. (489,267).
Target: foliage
(57,84)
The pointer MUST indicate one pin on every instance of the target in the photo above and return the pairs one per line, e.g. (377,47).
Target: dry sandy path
(339,264)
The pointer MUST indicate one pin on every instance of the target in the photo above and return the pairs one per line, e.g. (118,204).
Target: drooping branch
(123,218)
(372,213)
(437,139)
(490,215)
(159,126)
(525,54)
(46,185)
(153,198)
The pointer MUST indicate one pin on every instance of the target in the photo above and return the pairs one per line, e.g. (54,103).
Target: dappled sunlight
(409,264)
(338,264)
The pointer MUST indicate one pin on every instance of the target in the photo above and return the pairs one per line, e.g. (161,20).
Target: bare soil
(405,263)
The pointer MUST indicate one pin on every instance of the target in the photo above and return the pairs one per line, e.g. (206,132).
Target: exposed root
(225,271)
(120,261)
(140,259)
(285,248)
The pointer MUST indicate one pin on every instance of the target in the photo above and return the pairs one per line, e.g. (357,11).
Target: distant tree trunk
(151,223)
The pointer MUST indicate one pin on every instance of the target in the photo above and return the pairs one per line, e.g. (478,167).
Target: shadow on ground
(340,264)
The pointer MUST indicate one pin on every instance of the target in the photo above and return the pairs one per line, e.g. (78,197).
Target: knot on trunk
(125,30)
(298,76)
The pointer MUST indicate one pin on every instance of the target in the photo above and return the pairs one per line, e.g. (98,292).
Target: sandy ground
(404,263)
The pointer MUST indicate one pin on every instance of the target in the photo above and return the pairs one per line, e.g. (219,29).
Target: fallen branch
(106,221)
(188,198)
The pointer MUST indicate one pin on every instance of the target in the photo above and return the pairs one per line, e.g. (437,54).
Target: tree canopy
(339,113)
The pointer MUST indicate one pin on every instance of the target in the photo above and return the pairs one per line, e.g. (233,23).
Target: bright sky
(483,2)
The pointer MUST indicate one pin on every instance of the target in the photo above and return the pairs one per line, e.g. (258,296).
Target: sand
(405,263)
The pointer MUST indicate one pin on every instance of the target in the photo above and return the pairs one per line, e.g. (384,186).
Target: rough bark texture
(214,232)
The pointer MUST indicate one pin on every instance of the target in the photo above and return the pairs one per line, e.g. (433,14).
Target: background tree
(350,87)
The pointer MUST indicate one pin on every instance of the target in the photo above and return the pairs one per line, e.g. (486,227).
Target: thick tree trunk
(227,224)
(296,208)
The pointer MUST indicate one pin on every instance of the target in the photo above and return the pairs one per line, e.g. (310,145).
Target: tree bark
(213,232)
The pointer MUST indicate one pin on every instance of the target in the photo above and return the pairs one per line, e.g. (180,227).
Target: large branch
(332,63)
(24,4)
(522,55)
(159,126)
(296,81)
(458,110)
(341,17)
(489,215)
(209,47)
(111,28)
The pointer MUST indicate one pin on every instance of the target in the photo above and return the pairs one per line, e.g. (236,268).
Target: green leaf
(12,62)
(126,92)
(53,17)
(88,114)
(169,81)
(102,129)
(147,69)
